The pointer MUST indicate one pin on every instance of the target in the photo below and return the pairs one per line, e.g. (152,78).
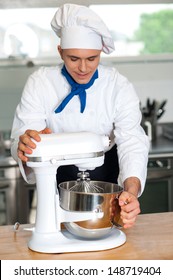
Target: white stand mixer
(86,151)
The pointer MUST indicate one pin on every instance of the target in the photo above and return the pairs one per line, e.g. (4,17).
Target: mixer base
(64,242)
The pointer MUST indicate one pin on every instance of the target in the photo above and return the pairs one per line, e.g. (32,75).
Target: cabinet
(16,196)
(158,193)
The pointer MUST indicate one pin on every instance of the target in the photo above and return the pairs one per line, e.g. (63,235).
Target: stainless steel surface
(8,182)
(158,192)
(9,179)
(15,194)
(56,158)
(161,170)
(161,147)
(168,131)
(77,201)
(82,232)
(160,167)
(105,202)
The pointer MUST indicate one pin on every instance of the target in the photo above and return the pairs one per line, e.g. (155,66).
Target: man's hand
(26,145)
(128,201)
(130,208)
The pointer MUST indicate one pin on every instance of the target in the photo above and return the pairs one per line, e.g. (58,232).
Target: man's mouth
(83,75)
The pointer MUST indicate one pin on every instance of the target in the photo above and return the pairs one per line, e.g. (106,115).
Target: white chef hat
(81,28)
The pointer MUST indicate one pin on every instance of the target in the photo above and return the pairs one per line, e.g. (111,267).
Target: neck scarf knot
(76,89)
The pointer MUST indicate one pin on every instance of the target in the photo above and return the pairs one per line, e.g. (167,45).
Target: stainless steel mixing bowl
(105,202)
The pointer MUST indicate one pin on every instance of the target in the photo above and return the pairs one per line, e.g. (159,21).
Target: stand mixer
(86,151)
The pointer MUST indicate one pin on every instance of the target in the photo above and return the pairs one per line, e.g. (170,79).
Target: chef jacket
(112,108)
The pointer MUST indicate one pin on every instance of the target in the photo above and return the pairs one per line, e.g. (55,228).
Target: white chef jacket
(112,108)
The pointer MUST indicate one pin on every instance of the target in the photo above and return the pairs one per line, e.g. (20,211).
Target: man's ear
(59,50)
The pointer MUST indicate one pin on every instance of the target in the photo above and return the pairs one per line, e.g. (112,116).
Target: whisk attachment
(84,184)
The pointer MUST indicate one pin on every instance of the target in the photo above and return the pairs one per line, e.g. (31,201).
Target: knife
(160,113)
(162,104)
(161,110)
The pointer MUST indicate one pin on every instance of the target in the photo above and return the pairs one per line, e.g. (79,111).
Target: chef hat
(80,28)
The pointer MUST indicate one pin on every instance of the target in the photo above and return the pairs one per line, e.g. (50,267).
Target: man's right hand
(26,145)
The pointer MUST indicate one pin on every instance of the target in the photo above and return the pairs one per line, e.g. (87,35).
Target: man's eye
(73,59)
(91,58)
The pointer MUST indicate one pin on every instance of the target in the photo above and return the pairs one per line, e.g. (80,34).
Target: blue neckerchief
(76,89)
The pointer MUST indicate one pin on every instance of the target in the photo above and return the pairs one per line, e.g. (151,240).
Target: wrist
(132,185)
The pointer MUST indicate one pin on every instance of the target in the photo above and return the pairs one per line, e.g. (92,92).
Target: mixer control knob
(53,161)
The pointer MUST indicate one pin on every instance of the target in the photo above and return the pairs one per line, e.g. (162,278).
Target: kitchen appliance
(15,194)
(168,131)
(86,151)
(158,193)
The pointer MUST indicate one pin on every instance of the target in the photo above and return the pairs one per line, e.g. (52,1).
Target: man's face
(80,63)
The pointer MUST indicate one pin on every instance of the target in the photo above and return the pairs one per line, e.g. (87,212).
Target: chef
(80,94)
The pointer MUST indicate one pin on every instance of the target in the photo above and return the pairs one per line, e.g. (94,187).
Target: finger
(46,131)
(22,156)
(33,134)
(129,225)
(128,219)
(131,209)
(27,137)
(22,150)
(128,201)
(129,216)
(131,206)
(25,148)
(25,142)
(123,198)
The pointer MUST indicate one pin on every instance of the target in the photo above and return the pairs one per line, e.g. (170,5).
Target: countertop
(151,238)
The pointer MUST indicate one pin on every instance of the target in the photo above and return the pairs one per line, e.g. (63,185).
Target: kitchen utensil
(162,104)
(86,151)
(84,184)
(160,113)
(151,105)
(105,202)
(161,110)
(148,129)
(153,111)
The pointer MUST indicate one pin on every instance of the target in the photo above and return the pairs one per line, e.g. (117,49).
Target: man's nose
(82,66)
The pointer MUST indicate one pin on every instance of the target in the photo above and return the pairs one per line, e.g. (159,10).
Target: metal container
(105,202)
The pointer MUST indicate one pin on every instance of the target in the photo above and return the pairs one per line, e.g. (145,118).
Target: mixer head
(83,149)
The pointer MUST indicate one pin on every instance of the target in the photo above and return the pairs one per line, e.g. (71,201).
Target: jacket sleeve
(132,142)
(29,114)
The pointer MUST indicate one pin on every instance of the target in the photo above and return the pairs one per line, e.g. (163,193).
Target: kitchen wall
(12,80)
(151,78)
